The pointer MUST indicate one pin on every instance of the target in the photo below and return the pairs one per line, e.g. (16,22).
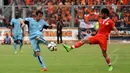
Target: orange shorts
(99,39)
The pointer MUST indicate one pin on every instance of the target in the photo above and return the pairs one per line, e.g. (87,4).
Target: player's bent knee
(38,53)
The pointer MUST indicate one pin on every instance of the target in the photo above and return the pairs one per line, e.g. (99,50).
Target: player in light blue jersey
(16,31)
(35,28)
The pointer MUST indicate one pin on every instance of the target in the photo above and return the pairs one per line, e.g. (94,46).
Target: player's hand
(36,38)
(50,27)
(118,34)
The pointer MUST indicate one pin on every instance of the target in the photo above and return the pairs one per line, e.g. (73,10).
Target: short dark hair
(105,11)
(39,12)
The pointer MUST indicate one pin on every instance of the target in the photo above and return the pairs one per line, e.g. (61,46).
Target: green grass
(87,59)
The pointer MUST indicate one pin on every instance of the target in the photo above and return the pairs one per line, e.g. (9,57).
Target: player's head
(6,34)
(17,14)
(39,15)
(104,13)
(34,15)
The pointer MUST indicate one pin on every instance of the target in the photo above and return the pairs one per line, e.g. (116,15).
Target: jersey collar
(105,20)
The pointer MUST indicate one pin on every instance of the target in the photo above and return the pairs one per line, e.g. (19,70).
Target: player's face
(103,15)
(17,15)
(34,15)
(39,16)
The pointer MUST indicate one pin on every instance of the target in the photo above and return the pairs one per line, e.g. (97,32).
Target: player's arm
(46,25)
(115,29)
(22,23)
(26,21)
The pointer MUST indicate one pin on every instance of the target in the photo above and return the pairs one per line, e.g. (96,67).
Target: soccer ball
(52,46)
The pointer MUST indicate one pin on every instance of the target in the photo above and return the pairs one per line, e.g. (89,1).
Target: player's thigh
(93,40)
(38,46)
(41,39)
(35,45)
(15,37)
(103,44)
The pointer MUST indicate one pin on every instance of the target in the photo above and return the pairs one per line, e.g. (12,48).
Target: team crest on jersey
(107,23)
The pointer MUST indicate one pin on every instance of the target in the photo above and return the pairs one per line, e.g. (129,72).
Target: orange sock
(108,61)
(77,45)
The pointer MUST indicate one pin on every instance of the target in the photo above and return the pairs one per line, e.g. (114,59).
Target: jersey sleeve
(112,24)
(27,19)
(20,18)
(46,25)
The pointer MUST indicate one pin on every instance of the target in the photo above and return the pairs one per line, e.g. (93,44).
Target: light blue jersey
(17,29)
(35,27)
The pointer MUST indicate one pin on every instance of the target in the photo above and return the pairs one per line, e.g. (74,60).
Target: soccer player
(17,25)
(105,26)
(35,27)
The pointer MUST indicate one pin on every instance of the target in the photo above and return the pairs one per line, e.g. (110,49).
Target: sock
(77,45)
(40,60)
(108,61)
(21,44)
(15,46)
(44,41)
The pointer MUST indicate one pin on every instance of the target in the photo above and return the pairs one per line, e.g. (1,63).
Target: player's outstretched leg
(76,45)
(107,58)
(44,41)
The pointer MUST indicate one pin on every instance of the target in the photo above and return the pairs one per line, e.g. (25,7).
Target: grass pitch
(86,59)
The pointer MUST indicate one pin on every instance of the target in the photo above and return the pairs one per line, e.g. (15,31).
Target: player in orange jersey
(105,27)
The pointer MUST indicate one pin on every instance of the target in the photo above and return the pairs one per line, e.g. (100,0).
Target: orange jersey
(105,26)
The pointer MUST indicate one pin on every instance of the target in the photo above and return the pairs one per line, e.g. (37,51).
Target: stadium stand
(84,11)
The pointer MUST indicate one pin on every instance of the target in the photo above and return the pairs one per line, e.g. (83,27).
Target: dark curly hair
(105,11)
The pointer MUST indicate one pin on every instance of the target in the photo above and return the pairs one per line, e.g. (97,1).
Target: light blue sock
(40,60)
(15,47)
